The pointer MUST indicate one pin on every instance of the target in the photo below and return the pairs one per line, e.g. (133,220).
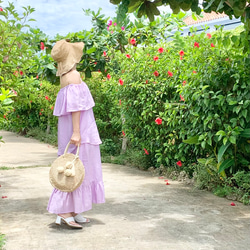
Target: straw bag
(67,171)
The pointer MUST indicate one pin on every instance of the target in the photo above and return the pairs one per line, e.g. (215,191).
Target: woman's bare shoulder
(74,77)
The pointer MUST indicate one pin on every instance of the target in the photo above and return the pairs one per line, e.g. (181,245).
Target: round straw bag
(67,171)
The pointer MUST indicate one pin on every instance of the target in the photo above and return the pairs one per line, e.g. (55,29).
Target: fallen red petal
(161,177)
(232,204)
(167,183)
(166,180)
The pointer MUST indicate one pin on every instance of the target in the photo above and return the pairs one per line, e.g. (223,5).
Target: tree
(237,8)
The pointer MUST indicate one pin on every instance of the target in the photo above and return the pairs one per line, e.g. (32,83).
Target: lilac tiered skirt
(72,98)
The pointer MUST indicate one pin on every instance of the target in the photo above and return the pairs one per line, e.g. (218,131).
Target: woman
(76,123)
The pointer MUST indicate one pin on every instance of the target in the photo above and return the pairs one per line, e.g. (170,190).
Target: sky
(62,16)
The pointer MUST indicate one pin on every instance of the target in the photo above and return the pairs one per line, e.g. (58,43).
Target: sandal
(80,219)
(59,220)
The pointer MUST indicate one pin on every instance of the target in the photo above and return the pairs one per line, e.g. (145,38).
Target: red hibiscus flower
(37,77)
(108,76)
(181,58)
(42,46)
(146,152)
(170,73)
(233,204)
(40,113)
(128,56)
(156,73)
(104,53)
(121,81)
(52,107)
(196,45)
(133,41)
(46,97)
(212,45)
(209,35)
(123,133)
(120,102)
(182,98)
(146,82)
(158,121)
(160,50)
(1,9)
(184,83)
(21,73)
(156,58)
(181,53)
(179,163)
(194,72)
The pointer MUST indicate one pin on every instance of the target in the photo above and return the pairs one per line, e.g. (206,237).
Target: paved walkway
(140,213)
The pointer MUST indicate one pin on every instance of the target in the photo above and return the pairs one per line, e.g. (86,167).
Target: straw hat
(67,172)
(66,55)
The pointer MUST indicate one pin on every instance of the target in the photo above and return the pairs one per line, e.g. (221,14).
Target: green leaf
(226,164)
(192,140)
(222,150)
(91,50)
(245,133)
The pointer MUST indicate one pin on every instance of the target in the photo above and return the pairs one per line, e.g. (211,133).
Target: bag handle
(67,147)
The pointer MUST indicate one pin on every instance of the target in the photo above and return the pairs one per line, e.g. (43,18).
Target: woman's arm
(76,136)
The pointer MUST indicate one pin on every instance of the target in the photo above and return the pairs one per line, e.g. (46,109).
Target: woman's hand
(76,138)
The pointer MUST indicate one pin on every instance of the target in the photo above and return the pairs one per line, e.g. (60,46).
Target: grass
(2,241)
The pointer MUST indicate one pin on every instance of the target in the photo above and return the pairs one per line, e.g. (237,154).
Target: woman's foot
(80,219)
(68,219)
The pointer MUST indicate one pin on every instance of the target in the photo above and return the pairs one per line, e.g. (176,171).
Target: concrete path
(140,213)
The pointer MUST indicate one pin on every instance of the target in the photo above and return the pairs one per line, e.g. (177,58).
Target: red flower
(40,113)
(156,73)
(133,41)
(128,56)
(1,9)
(42,46)
(104,53)
(146,82)
(52,107)
(227,59)
(184,83)
(167,183)
(95,63)
(209,35)
(156,58)
(108,76)
(21,73)
(170,73)
(160,50)
(166,180)
(181,57)
(182,98)
(120,102)
(181,53)
(41,109)
(212,45)
(4,116)
(37,77)
(233,204)
(179,163)
(146,152)
(123,133)
(194,72)
(121,81)
(158,121)
(196,44)
(46,97)
(16,73)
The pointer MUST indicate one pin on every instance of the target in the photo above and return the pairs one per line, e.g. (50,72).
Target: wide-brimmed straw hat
(66,55)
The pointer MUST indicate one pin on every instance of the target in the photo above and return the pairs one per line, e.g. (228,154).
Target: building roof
(206,18)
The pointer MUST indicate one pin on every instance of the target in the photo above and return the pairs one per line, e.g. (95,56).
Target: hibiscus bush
(186,99)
